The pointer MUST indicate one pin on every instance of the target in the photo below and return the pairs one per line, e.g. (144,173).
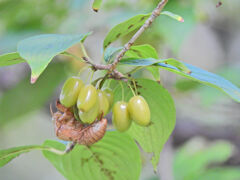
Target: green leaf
(7,155)
(24,97)
(155,72)
(229,173)
(206,78)
(142,51)
(163,117)
(10,59)
(116,156)
(96,5)
(39,50)
(179,65)
(190,72)
(172,15)
(140,62)
(156,62)
(145,51)
(124,28)
(209,96)
(190,162)
(110,53)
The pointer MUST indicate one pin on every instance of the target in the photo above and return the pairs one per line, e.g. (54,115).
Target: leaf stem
(91,77)
(102,81)
(84,50)
(131,89)
(122,90)
(135,87)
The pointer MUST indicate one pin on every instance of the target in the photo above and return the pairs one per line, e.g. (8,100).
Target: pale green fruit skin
(110,96)
(139,110)
(90,116)
(120,116)
(70,91)
(87,98)
(103,103)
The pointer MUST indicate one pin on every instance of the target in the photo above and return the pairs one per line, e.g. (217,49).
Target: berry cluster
(94,103)
(136,110)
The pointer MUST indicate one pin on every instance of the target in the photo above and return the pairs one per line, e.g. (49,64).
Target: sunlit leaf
(163,116)
(124,28)
(172,15)
(116,156)
(96,5)
(39,50)
(142,51)
(145,51)
(10,59)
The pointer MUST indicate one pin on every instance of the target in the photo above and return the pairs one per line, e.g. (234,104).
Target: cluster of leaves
(109,158)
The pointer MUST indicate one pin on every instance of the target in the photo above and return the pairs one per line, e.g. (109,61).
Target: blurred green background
(206,141)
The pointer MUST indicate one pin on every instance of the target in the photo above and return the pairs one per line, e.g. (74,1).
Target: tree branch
(156,12)
(112,67)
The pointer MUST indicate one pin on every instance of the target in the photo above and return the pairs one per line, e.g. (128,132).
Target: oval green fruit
(90,116)
(87,98)
(120,116)
(109,94)
(139,110)
(70,91)
(103,103)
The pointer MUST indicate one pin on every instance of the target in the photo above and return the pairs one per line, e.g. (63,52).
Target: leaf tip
(189,72)
(95,9)
(181,19)
(33,79)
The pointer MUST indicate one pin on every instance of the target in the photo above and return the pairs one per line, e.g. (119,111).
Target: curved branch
(112,67)
(156,12)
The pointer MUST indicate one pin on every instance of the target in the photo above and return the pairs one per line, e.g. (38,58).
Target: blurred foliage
(44,15)
(185,85)
(24,97)
(202,160)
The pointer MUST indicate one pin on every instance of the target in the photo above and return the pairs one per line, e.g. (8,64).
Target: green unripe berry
(70,91)
(103,103)
(139,110)
(120,116)
(110,96)
(90,116)
(87,98)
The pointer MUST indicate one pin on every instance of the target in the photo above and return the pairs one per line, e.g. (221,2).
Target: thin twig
(156,12)
(112,67)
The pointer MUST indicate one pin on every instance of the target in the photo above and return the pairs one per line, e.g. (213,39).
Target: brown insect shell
(69,129)
(93,133)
